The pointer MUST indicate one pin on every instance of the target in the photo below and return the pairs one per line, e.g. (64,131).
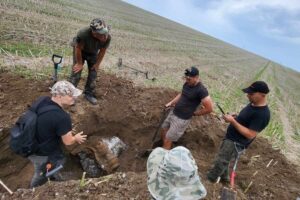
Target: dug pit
(132,114)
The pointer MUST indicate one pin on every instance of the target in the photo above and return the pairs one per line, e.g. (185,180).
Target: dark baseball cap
(257,86)
(192,71)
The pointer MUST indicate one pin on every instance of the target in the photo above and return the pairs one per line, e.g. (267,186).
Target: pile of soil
(132,114)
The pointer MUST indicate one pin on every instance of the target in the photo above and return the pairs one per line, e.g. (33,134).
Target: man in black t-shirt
(90,45)
(242,129)
(185,104)
(53,128)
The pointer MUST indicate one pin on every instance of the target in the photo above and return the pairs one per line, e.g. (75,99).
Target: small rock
(90,165)
(56,193)
(123,175)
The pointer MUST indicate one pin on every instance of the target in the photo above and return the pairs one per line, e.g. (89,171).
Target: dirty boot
(91,99)
(211,177)
(225,179)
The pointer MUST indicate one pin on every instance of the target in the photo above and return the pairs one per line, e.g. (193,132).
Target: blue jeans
(39,164)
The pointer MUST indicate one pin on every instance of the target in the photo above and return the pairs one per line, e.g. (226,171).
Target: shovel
(8,190)
(220,108)
(159,142)
(230,193)
(53,171)
(56,61)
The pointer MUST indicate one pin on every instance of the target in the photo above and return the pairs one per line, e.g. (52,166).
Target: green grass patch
(274,131)
(217,96)
(296,136)
(32,50)
(259,74)
(40,74)
(31,74)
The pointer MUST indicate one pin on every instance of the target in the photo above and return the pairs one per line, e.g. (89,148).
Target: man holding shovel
(185,105)
(90,45)
(242,129)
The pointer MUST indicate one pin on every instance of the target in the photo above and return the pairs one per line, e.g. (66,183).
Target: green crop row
(31,50)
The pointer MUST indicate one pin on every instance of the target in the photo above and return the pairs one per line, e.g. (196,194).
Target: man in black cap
(185,105)
(242,129)
(90,45)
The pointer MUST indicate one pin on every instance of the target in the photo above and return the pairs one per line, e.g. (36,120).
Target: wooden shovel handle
(8,190)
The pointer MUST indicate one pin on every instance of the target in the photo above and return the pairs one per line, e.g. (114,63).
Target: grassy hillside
(31,30)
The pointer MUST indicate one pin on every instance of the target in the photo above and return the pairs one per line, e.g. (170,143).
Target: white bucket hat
(173,175)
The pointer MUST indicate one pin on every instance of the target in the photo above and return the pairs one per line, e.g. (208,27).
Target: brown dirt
(132,113)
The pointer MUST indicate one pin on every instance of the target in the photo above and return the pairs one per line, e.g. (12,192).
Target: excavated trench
(124,111)
(132,114)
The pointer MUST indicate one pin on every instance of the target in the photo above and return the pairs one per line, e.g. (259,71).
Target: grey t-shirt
(191,97)
(90,44)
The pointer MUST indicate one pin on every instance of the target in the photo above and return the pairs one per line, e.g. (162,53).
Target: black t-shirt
(51,126)
(190,99)
(90,44)
(254,118)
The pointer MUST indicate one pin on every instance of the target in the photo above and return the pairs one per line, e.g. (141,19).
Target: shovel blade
(228,194)
(145,153)
(158,143)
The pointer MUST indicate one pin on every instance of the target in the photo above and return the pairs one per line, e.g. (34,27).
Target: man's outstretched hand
(80,138)
(77,68)
(168,105)
(228,118)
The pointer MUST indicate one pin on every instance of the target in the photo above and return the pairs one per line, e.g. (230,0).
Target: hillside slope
(31,30)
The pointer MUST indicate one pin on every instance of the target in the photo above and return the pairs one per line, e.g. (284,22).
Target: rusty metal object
(99,150)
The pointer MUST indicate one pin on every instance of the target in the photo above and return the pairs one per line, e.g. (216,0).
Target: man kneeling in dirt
(185,105)
(90,45)
(53,127)
(242,129)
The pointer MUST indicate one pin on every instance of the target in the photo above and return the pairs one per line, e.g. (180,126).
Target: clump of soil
(132,114)
(129,185)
